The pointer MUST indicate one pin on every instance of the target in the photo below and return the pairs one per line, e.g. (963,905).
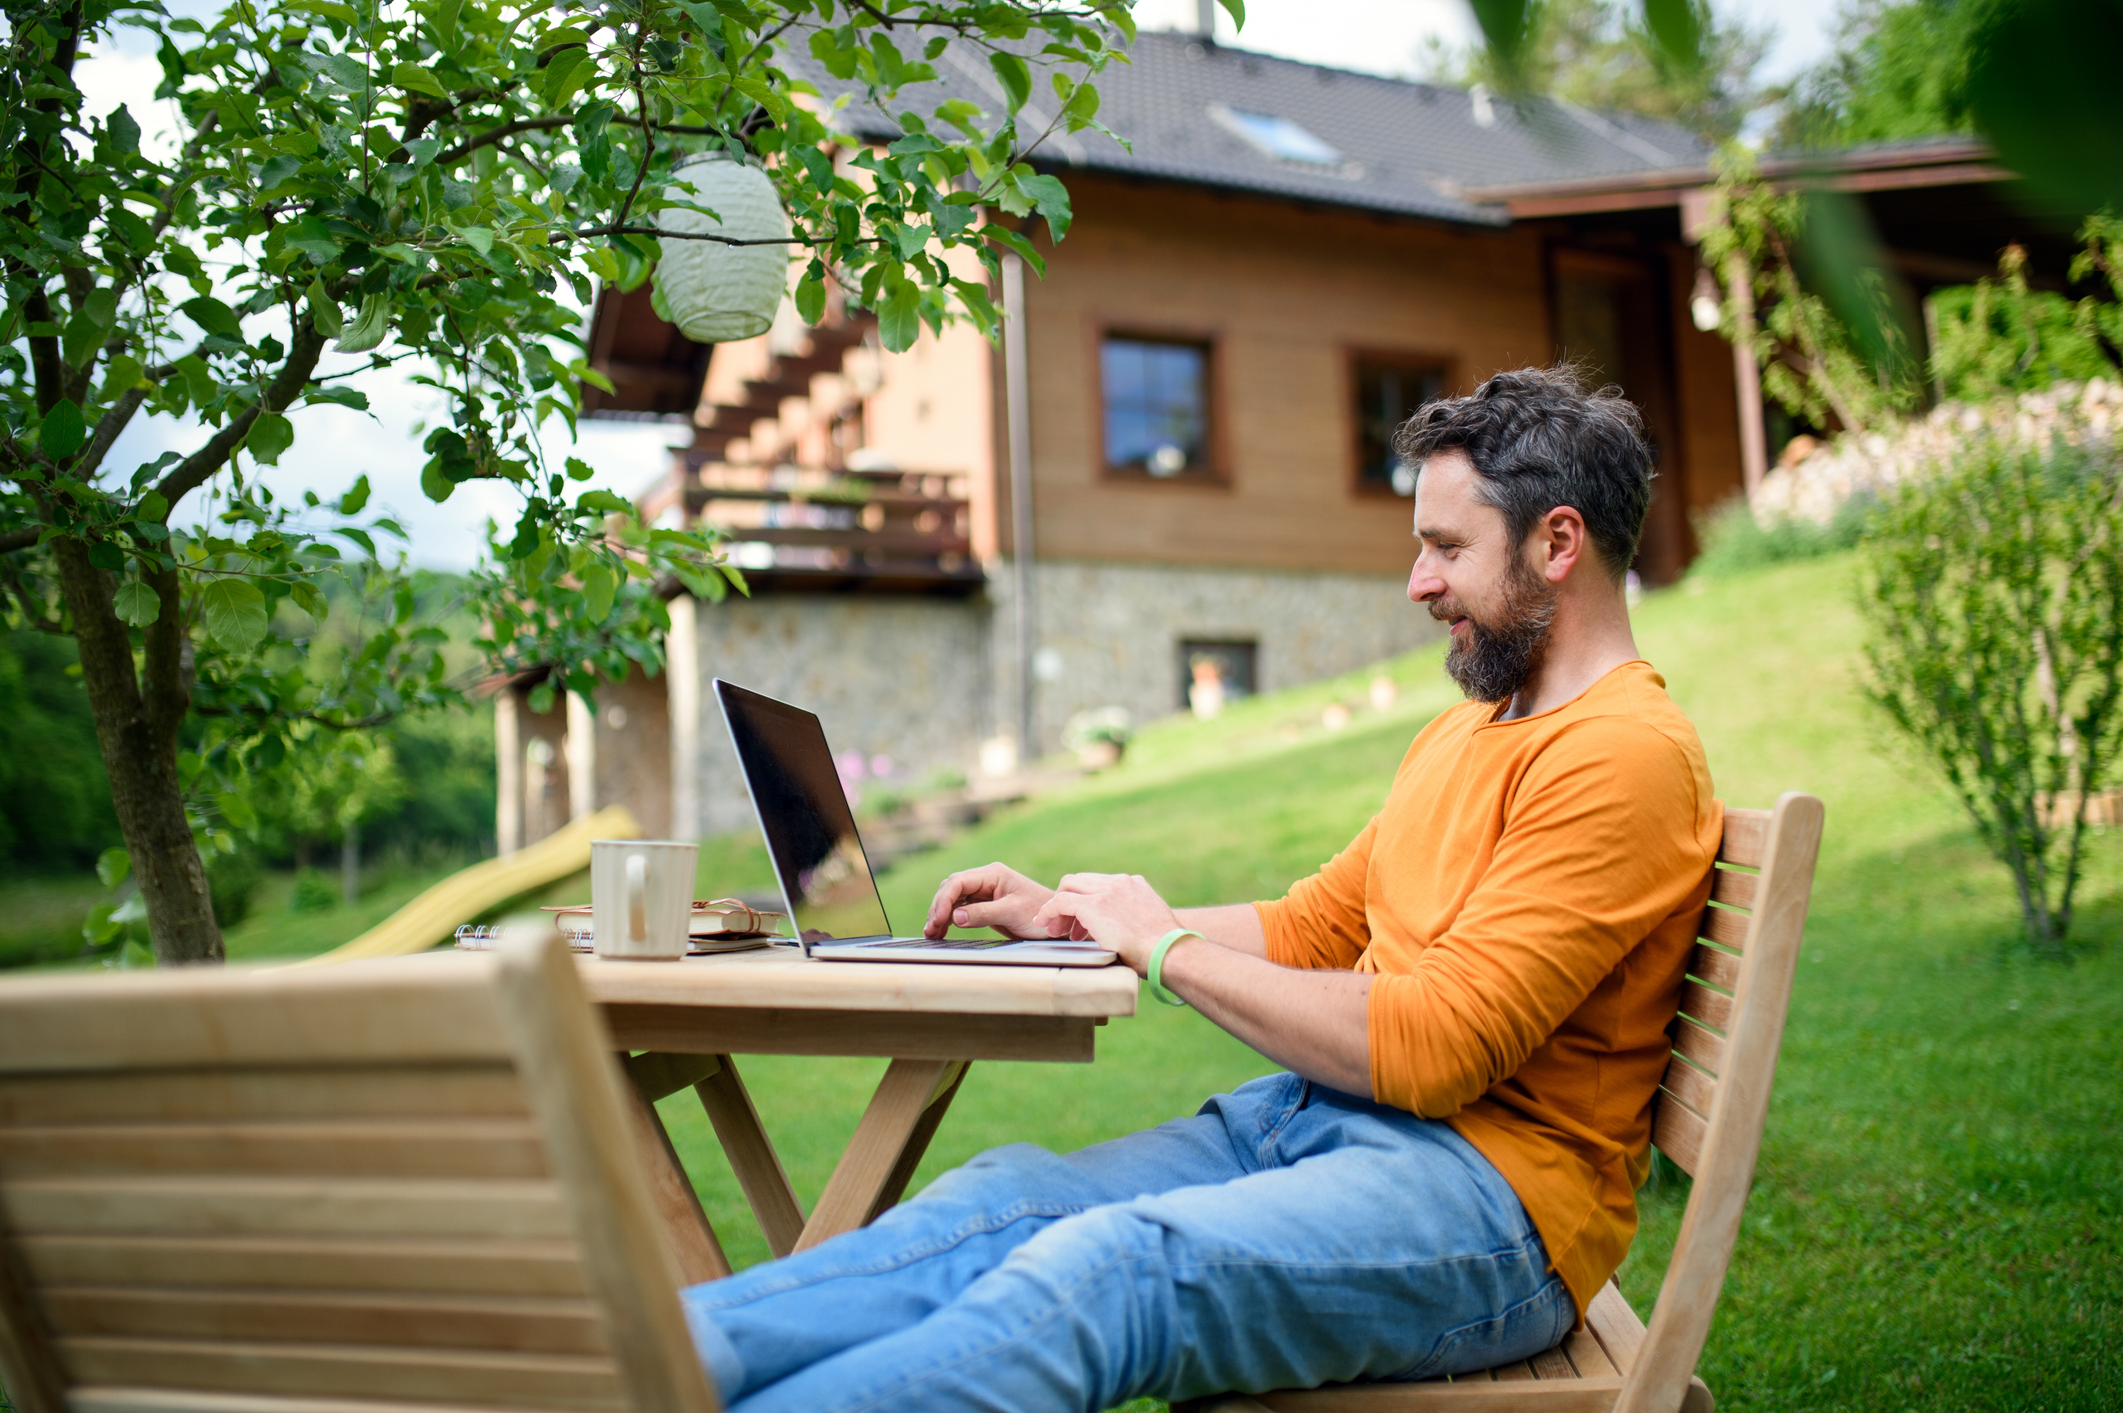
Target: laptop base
(980,951)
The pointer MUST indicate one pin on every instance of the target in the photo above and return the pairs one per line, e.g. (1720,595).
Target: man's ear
(1560,542)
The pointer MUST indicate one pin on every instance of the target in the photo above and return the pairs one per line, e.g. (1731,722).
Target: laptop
(818,854)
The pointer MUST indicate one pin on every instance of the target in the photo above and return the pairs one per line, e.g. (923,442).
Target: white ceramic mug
(641,892)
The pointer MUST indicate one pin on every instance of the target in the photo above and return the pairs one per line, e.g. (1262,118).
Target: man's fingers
(1004,916)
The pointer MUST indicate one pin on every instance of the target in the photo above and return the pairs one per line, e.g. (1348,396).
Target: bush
(1733,540)
(231,885)
(314,893)
(1994,607)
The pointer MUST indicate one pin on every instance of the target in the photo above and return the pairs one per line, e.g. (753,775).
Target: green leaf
(270,435)
(899,321)
(137,604)
(434,484)
(236,810)
(579,470)
(1051,199)
(121,130)
(198,379)
(154,506)
(324,310)
(309,598)
(415,79)
(604,502)
(308,235)
(213,316)
(113,865)
(369,326)
(561,76)
(91,325)
(1015,77)
(120,373)
(599,584)
(811,294)
(63,431)
(478,237)
(1237,10)
(234,611)
(357,496)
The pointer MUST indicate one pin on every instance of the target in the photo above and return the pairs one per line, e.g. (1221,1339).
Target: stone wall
(905,679)
(921,683)
(1813,489)
(1113,632)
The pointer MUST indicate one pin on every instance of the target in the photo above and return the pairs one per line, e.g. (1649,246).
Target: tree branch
(108,428)
(166,687)
(496,134)
(44,352)
(294,375)
(558,237)
(22,539)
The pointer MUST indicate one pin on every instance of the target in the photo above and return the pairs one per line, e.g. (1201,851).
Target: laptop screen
(804,813)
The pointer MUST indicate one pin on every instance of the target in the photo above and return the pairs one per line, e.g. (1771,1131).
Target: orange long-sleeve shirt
(1528,897)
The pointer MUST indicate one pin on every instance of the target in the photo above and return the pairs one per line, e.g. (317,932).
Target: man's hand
(994,896)
(1118,910)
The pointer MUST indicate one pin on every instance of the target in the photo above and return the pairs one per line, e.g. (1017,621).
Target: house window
(1387,391)
(1156,399)
(1214,674)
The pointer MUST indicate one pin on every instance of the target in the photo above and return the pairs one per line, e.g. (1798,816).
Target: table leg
(685,1226)
(752,1158)
(888,1144)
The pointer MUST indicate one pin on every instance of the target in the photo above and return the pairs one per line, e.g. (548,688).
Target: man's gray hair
(1538,440)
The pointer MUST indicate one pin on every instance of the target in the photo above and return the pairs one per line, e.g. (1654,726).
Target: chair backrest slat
(1710,1111)
(301,1191)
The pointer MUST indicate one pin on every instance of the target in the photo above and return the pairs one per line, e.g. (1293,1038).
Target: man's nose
(1423,586)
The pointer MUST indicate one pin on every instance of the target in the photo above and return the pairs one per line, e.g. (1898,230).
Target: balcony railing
(813,530)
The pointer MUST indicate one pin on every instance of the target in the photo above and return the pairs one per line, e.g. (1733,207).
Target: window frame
(1215,470)
(1354,358)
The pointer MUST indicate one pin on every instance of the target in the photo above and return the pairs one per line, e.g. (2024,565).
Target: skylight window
(1277,137)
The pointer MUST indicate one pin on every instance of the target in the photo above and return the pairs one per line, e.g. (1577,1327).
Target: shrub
(314,893)
(1733,540)
(1993,597)
(231,884)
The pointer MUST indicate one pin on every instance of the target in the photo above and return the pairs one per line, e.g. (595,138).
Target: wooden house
(1192,462)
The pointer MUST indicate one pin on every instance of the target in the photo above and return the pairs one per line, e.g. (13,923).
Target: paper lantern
(718,293)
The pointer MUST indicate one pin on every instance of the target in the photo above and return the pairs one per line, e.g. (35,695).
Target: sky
(334,445)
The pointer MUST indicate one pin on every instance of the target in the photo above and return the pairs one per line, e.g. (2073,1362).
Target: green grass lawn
(1933,1224)
(1934,1220)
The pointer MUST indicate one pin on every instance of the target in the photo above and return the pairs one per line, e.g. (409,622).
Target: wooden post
(1746,377)
(1017,400)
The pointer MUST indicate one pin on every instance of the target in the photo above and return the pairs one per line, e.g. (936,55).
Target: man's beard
(1494,659)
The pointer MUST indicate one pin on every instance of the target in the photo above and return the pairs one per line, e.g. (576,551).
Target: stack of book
(718,925)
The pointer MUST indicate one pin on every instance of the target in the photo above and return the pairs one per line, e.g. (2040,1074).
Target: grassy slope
(1933,1224)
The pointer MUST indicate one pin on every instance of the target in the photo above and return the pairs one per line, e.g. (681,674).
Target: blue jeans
(1285,1236)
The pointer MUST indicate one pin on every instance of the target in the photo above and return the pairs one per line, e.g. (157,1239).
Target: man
(1470,1000)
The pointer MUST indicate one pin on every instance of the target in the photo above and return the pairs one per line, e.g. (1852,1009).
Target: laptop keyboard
(973,944)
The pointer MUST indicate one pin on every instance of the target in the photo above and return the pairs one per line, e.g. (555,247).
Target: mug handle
(637,898)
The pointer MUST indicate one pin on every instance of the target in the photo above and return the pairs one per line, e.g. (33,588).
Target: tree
(1595,53)
(1994,603)
(1829,340)
(434,184)
(1898,70)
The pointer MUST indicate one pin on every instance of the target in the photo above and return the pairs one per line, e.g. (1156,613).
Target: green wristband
(1157,964)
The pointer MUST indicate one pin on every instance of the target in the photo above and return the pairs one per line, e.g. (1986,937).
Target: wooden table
(678,1023)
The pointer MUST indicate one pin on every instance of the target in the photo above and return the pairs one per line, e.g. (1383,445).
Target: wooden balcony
(797,529)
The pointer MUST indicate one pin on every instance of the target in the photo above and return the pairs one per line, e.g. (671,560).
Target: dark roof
(1408,148)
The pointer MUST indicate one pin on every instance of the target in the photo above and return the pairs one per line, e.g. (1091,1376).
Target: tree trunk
(350,865)
(136,729)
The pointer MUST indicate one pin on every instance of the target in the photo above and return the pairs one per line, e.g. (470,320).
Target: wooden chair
(404,1187)
(1707,1118)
